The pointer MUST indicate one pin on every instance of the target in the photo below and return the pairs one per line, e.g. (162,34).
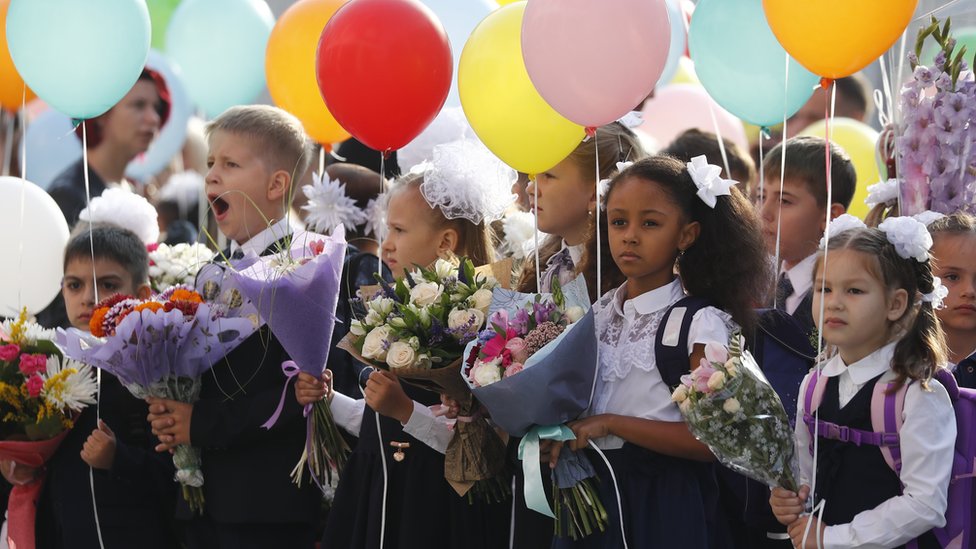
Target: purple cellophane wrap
(298,303)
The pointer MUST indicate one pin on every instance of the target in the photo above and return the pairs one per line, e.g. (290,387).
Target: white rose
(680,394)
(486,373)
(685,406)
(481,300)
(356,328)
(731,406)
(716,381)
(425,293)
(731,367)
(470,318)
(376,343)
(444,268)
(401,355)
(574,313)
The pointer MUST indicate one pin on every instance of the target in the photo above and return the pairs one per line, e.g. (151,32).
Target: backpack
(887,406)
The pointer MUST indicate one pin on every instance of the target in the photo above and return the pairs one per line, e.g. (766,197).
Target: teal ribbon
(528,452)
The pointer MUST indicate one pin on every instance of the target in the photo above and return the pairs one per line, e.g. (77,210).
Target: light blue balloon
(742,65)
(676,47)
(459,18)
(219,46)
(80,56)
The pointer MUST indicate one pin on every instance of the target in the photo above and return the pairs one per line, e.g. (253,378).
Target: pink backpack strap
(812,398)
(887,409)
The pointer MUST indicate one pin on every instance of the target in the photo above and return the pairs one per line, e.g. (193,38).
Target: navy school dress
(854,478)
(422,509)
(965,372)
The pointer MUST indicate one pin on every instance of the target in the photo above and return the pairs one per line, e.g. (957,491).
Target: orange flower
(151,305)
(95,323)
(186,295)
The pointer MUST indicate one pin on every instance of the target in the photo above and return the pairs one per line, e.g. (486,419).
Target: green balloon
(160,12)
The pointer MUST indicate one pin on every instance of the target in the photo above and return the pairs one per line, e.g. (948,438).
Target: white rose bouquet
(175,265)
(417,327)
(730,407)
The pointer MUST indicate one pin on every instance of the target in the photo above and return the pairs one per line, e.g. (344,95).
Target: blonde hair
(279,137)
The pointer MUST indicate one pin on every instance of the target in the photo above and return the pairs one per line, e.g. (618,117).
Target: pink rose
(700,377)
(34,386)
(32,364)
(715,352)
(8,353)
(515,368)
(519,349)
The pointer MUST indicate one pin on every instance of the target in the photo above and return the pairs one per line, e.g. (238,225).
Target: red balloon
(384,68)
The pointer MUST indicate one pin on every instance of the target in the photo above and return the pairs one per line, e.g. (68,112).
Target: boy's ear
(143,291)
(897,304)
(448,241)
(280,184)
(836,210)
(689,234)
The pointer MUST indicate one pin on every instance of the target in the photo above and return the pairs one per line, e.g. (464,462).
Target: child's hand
(451,407)
(549,451)
(309,390)
(385,395)
(99,450)
(587,429)
(814,538)
(788,506)
(170,421)
(17,474)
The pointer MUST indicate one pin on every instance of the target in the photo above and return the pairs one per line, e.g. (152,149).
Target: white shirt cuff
(424,426)
(348,412)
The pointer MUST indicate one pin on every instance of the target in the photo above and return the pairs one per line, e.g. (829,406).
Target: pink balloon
(679,107)
(594,61)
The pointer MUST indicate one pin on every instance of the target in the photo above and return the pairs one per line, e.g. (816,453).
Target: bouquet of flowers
(160,347)
(174,265)
(540,341)
(41,393)
(730,407)
(296,292)
(418,328)
(937,147)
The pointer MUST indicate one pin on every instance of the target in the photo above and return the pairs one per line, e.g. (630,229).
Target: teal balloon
(81,57)
(742,65)
(219,45)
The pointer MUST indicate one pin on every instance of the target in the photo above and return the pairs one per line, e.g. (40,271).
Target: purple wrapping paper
(148,347)
(299,303)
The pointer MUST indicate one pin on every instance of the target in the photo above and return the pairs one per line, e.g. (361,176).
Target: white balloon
(52,146)
(34,236)
(459,18)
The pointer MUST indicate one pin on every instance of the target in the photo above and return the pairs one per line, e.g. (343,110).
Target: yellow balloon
(11,84)
(506,2)
(836,38)
(685,73)
(502,105)
(859,141)
(289,62)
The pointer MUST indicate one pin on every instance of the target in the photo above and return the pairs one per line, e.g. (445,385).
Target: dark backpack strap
(671,343)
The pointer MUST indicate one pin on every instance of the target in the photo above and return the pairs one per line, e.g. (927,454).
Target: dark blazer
(246,467)
(68,190)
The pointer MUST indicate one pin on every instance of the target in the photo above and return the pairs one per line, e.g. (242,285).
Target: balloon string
(596,217)
(381,232)
(8,143)
(535,236)
(721,143)
(322,161)
(782,176)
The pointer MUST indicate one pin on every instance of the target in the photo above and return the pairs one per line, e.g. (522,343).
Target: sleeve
(709,325)
(348,412)
(804,457)
(432,430)
(928,437)
(136,465)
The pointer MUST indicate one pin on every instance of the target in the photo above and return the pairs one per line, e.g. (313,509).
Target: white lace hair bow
(124,209)
(841,223)
(938,294)
(909,236)
(882,192)
(708,179)
(604,185)
(465,180)
(329,205)
(928,217)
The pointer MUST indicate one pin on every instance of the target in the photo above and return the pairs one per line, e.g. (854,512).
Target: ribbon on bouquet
(529,453)
(290,369)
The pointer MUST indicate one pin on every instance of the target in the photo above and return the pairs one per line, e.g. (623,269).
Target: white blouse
(628,382)
(434,431)
(928,436)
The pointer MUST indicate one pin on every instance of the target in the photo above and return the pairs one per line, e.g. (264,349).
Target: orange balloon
(836,38)
(290,66)
(11,84)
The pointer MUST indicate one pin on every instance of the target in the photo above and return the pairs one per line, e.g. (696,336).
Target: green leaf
(401,291)
(468,270)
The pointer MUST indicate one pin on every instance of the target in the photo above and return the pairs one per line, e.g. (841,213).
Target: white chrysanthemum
(177,264)
(519,229)
(329,206)
(184,188)
(910,237)
(32,332)
(882,192)
(68,385)
(841,223)
(124,209)
(376,212)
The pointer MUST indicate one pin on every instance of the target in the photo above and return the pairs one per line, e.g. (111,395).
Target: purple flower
(944,82)
(940,59)
(924,75)
(912,58)
(542,311)
(521,322)
(499,319)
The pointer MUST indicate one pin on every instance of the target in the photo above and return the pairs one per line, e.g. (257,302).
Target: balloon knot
(826,82)
(591,131)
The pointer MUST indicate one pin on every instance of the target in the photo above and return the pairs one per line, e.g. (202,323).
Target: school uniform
(250,498)
(666,501)
(866,503)
(965,372)
(794,292)
(421,508)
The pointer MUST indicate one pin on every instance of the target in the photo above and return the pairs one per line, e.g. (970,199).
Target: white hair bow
(708,179)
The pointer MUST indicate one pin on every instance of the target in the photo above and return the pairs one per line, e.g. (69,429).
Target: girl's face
(413,239)
(646,230)
(565,200)
(859,312)
(955,263)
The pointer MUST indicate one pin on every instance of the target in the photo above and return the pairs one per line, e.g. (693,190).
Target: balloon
(459,17)
(502,105)
(384,70)
(680,107)
(506,2)
(52,146)
(169,141)
(859,141)
(836,38)
(11,84)
(289,63)
(219,45)
(79,57)
(685,73)
(581,55)
(742,66)
(160,12)
(35,234)
(678,43)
